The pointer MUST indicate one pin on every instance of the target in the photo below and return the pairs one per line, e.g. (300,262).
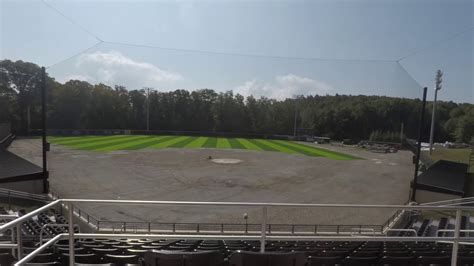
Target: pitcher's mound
(226,161)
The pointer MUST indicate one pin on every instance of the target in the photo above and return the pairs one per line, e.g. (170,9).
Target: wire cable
(435,43)
(247,55)
(408,74)
(76,54)
(71,20)
(414,52)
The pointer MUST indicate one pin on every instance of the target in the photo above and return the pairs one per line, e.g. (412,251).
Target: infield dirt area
(188,175)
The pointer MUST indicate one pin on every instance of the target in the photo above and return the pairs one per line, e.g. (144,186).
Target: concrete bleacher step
(432,228)
(471,225)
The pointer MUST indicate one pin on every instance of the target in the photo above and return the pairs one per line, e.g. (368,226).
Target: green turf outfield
(125,142)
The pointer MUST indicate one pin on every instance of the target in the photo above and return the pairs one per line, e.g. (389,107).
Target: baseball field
(136,142)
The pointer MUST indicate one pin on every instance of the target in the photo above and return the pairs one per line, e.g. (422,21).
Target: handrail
(262,237)
(234,237)
(8,216)
(436,203)
(236,204)
(28,216)
(452,230)
(266,204)
(54,225)
(40,249)
(403,230)
(22,195)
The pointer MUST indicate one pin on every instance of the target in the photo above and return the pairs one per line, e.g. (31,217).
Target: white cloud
(114,68)
(285,86)
(75,77)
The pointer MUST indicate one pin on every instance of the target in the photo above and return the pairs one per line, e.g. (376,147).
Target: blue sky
(352,30)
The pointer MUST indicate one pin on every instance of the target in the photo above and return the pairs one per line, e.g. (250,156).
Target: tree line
(81,105)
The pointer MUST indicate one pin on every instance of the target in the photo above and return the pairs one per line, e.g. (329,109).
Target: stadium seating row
(234,253)
(432,227)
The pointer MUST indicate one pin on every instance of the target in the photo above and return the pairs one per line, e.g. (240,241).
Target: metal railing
(43,228)
(261,235)
(450,202)
(14,194)
(223,228)
(229,228)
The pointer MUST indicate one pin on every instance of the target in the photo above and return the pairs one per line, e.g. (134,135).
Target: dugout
(444,180)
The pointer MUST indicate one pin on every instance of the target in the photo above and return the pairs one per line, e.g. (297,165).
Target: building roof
(444,177)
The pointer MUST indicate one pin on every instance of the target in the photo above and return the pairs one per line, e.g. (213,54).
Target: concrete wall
(30,186)
(424,196)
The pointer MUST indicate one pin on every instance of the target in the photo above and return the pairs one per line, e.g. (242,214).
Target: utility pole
(401,133)
(148,109)
(439,80)
(296,116)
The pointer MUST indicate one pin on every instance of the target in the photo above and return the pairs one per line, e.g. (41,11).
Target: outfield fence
(107,132)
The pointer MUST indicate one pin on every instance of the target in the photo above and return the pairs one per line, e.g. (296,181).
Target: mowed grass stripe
(327,153)
(223,143)
(279,148)
(262,145)
(235,144)
(103,140)
(321,152)
(248,145)
(99,145)
(122,146)
(76,138)
(169,142)
(197,143)
(149,143)
(182,143)
(309,149)
(210,143)
(90,140)
(59,139)
(294,149)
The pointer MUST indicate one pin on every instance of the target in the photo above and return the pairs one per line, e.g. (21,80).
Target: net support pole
(457,230)
(418,148)
(263,233)
(44,129)
(71,233)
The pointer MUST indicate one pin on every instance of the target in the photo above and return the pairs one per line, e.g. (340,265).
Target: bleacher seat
(324,261)
(6,259)
(173,258)
(246,258)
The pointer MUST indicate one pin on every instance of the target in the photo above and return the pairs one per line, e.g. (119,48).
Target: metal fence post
(19,241)
(263,230)
(13,240)
(71,233)
(457,229)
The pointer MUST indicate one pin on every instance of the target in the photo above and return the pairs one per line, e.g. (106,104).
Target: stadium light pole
(147,105)
(439,80)
(296,115)
(148,109)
